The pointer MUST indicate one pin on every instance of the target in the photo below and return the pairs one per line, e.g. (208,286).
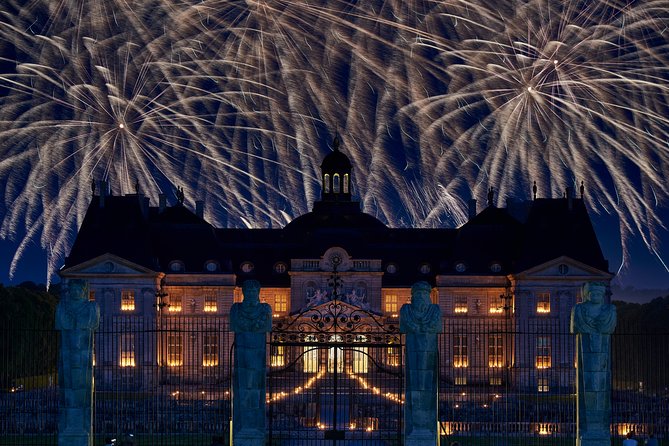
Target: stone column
(250,321)
(593,321)
(421,321)
(76,319)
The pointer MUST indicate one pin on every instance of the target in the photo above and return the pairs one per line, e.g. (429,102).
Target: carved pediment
(107,264)
(564,268)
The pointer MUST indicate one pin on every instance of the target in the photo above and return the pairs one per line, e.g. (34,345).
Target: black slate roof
(543,229)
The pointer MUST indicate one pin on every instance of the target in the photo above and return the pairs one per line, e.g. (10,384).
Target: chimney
(472,208)
(144,205)
(570,197)
(199,208)
(103,192)
(162,202)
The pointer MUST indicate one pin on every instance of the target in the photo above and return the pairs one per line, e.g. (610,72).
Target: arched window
(336,355)
(345,186)
(360,356)
(310,357)
(335,183)
(326,183)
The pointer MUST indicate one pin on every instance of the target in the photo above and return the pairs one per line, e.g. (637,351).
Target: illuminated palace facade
(522,265)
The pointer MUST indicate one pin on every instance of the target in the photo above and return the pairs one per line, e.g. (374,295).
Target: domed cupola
(336,176)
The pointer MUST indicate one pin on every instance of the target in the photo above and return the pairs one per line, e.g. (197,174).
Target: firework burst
(236,101)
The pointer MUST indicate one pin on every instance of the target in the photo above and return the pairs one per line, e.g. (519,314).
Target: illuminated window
(280,303)
(127,300)
(210,350)
(496,306)
(91,295)
(393,356)
(495,351)
(460,356)
(391,303)
(326,183)
(210,304)
(175,300)
(345,183)
(360,356)
(460,305)
(310,357)
(543,303)
(495,381)
(543,385)
(277,356)
(336,356)
(127,350)
(460,381)
(543,352)
(175,350)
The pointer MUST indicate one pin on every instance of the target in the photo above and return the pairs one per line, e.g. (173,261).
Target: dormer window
(176,266)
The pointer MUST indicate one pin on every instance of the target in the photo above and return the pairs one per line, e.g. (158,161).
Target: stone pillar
(593,321)
(76,319)
(421,321)
(250,321)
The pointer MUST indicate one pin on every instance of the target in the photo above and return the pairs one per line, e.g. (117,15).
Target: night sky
(239,101)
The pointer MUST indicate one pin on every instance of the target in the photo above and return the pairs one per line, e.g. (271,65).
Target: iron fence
(163,381)
(640,383)
(168,382)
(503,381)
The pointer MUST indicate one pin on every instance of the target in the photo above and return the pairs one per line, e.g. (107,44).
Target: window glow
(391,303)
(210,350)
(310,357)
(393,356)
(175,350)
(127,300)
(460,355)
(543,360)
(543,385)
(326,183)
(277,357)
(544,303)
(175,299)
(495,351)
(345,183)
(360,356)
(280,303)
(127,351)
(210,304)
(460,305)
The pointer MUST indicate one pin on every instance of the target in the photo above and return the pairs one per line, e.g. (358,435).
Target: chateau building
(518,266)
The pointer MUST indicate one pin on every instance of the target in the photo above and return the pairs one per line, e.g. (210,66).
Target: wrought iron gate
(335,378)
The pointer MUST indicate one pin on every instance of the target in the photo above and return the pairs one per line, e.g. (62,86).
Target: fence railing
(501,382)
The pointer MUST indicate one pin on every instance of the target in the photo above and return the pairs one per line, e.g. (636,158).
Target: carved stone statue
(77,319)
(250,321)
(593,321)
(421,321)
